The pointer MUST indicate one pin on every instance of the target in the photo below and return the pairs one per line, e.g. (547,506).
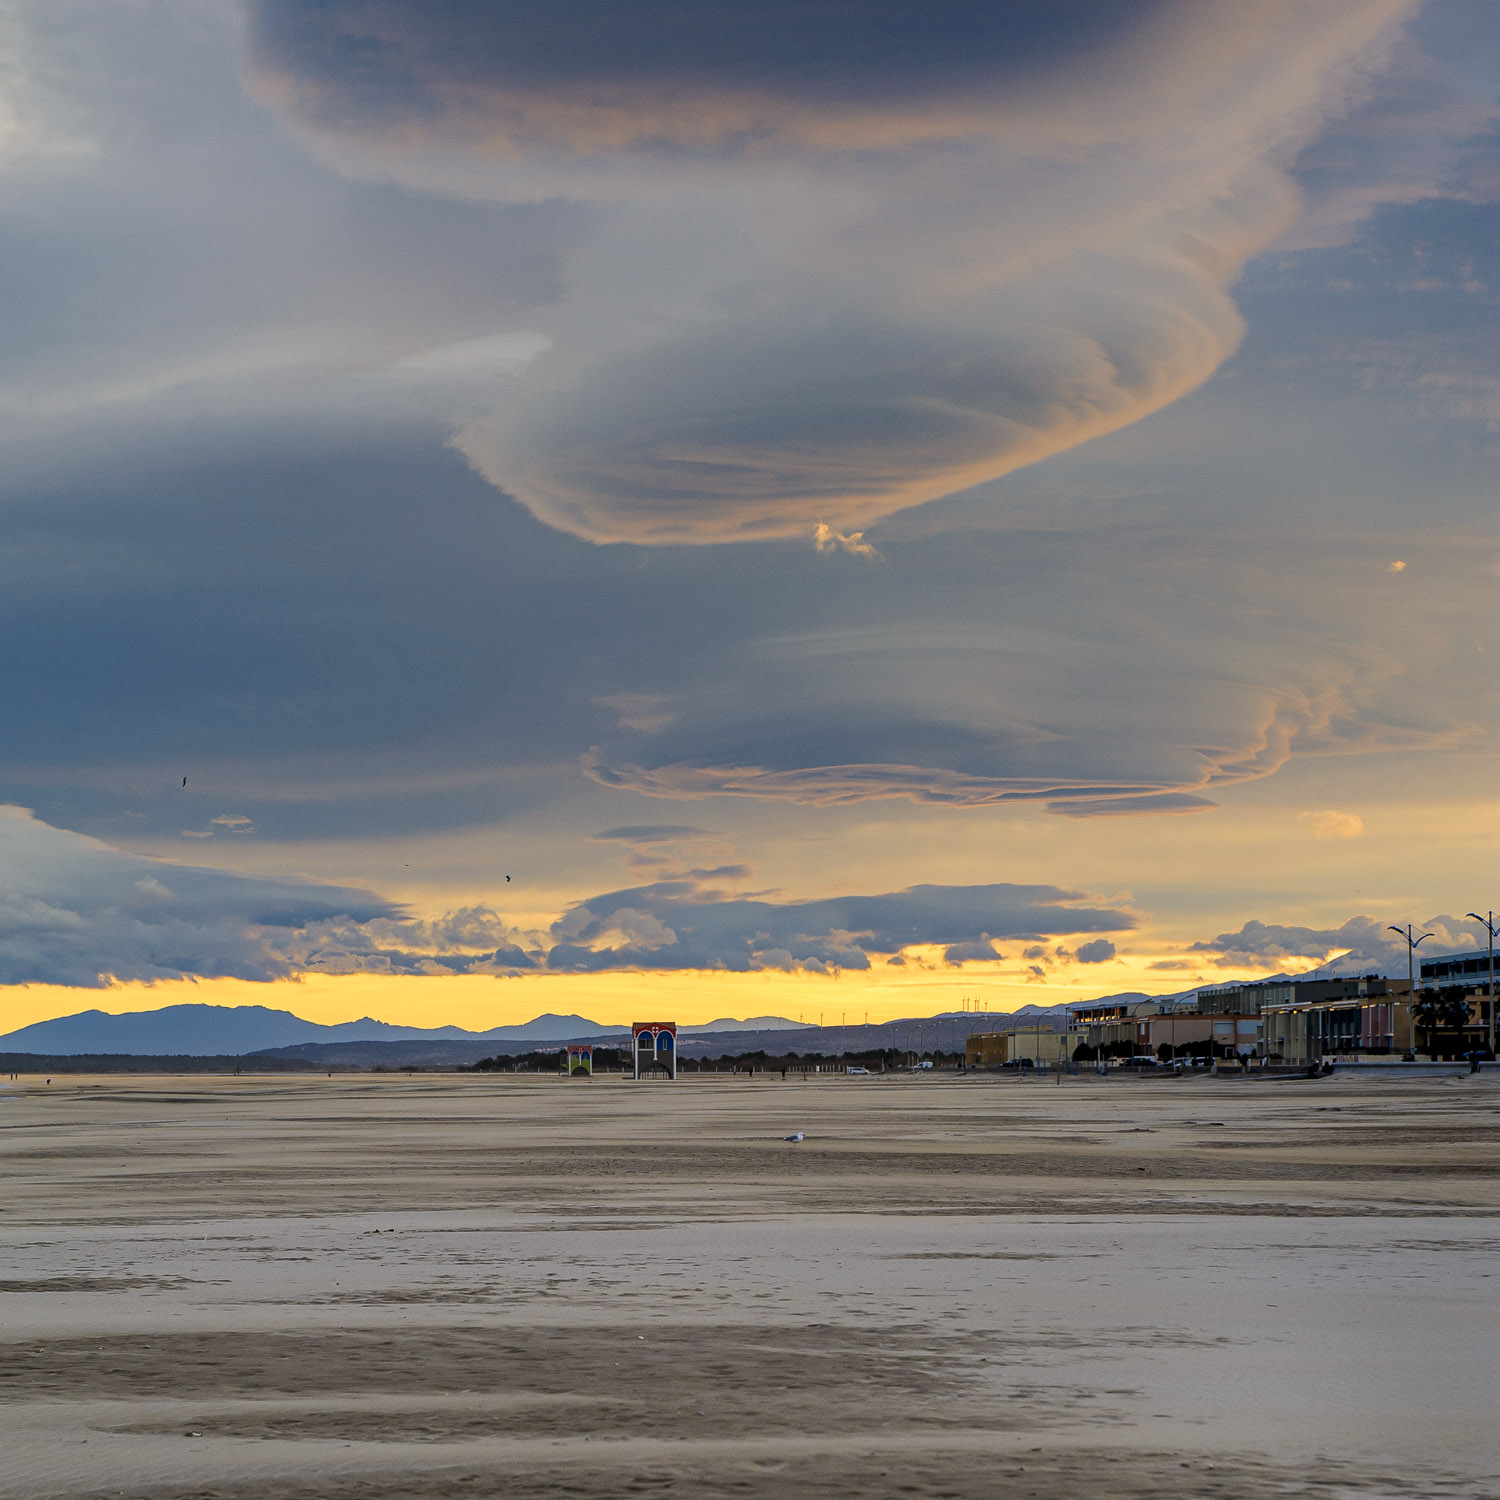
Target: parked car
(857,1072)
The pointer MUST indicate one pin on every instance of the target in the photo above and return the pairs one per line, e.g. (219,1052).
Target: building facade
(1306,1031)
(1120,1028)
(1041,1046)
(1473,970)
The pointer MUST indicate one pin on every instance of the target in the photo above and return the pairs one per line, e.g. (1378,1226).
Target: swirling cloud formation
(847,257)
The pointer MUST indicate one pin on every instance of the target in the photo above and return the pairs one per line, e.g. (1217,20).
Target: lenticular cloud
(847,259)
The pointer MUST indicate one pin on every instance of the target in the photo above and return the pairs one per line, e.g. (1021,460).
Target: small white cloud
(1330,824)
(826,539)
(233,823)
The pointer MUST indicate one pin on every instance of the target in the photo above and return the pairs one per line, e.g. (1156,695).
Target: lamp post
(1411,983)
(1488,923)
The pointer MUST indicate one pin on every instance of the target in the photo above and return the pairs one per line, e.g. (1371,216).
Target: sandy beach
(446,1285)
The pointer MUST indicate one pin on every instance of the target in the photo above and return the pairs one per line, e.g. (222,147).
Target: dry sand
(467,1285)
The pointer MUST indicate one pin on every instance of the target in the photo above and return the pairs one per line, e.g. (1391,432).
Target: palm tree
(1437,1011)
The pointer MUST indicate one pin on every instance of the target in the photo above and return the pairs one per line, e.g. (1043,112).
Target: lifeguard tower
(580,1060)
(654,1047)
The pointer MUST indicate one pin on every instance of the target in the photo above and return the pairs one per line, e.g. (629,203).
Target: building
(1243,999)
(1302,1020)
(1186,1033)
(654,1047)
(1039,1045)
(1371,1016)
(1120,1027)
(1469,969)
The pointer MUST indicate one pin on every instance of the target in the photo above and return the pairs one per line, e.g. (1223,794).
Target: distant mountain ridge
(750,1023)
(219,1030)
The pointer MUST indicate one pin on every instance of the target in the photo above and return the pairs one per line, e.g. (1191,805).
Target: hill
(220,1030)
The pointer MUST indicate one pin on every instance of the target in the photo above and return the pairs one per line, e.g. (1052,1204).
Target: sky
(839,509)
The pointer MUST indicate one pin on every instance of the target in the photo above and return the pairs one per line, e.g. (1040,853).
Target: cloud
(825,539)
(1395,567)
(234,541)
(1088,674)
(1365,944)
(679,925)
(828,281)
(471,940)
(1411,132)
(74,911)
(1329,824)
(1096,952)
(921,693)
(980,951)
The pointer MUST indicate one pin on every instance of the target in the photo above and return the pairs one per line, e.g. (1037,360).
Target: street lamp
(1411,983)
(1488,923)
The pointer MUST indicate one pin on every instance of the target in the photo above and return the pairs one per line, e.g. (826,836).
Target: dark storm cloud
(679,925)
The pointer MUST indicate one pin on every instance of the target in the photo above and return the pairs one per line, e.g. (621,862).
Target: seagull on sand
(793,1138)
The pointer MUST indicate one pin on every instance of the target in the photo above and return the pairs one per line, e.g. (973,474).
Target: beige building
(1039,1045)
(1213,1035)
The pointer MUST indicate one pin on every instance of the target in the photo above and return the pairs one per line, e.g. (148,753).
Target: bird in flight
(507,880)
(184,781)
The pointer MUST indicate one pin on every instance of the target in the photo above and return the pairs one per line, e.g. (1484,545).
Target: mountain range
(230,1030)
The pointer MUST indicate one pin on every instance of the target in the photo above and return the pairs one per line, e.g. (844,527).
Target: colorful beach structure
(580,1060)
(654,1048)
